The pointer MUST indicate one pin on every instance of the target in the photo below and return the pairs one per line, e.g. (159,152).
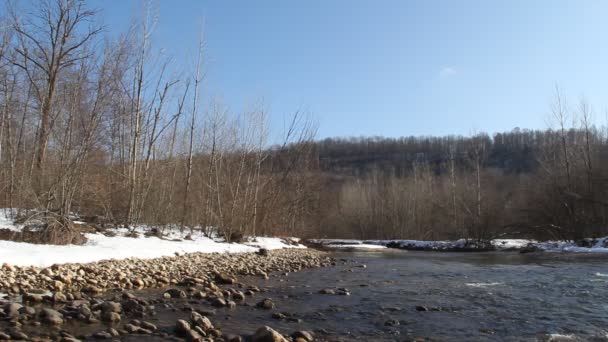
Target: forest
(102,127)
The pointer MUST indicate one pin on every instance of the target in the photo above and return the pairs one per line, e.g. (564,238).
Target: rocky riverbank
(55,303)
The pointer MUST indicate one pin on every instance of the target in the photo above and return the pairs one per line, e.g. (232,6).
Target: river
(406,296)
(498,296)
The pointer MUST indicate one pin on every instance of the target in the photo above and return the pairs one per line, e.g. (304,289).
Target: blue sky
(391,67)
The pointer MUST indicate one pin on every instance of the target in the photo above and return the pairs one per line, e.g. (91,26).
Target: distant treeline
(513,152)
(546,184)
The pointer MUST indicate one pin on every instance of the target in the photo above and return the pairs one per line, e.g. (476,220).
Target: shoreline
(138,273)
(103,294)
(586,246)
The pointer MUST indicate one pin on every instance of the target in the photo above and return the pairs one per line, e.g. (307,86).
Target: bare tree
(50,41)
(195,100)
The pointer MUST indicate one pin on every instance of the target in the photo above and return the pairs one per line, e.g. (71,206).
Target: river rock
(102,335)
(12,310)
(215,332)
(175,293)
(148,326)
(201,321)
(343,292)
(279,315)
(92,290)
(199,295)
(327,291)
(111,307)
(182,327)
(84,310)
(18,335)
(232,338)
(32,298)
(223,278)
(59,297)
(27,310)
(194,336)
(218,302)
(303,334)
(238,296)
(113,332)
(51,317)
(266,304)
(391,323)
(109,316)
(267,334)
(131,328)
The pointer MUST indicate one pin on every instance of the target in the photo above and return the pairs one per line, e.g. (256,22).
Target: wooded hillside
(104,127)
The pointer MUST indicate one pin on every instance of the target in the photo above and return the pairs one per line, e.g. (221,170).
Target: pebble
(51,317)
(181,326)
(267,334)
(303,334)
(266,304)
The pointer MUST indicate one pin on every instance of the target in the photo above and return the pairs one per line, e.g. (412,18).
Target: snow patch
(598,246)
(102,247)
(356,246)
(273,243)
(6,222)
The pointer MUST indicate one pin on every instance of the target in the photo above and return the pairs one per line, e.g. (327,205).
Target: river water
(406,296)
(469,296)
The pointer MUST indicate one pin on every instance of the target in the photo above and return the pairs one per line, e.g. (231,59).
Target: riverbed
(397,295)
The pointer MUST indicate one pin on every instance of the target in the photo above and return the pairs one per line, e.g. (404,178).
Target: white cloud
(447,72)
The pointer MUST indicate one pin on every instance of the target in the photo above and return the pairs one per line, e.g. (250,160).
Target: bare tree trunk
(197,80)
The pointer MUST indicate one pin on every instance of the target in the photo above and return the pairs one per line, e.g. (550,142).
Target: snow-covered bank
(594,246)
(102,247)
(357,246)
(399,244)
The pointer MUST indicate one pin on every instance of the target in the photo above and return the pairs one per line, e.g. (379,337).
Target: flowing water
(402,296)
(469,296)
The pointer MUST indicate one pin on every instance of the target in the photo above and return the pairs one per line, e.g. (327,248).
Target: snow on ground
(102,247)
(272,243)
(6,222)
(348,244)
(359,245)
(511,243)
(405,244)
(599,246)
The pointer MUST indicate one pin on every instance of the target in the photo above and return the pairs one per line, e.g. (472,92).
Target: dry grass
(46,228)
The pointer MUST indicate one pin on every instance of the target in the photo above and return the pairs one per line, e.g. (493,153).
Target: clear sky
(391,67)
